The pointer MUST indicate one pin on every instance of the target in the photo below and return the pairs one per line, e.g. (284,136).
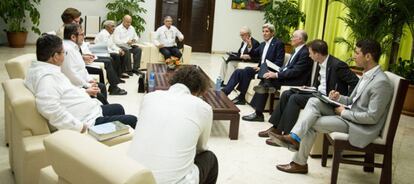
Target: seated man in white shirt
(63,104)
(165,40)
(74,65)
(174,146)
(126,38)
(120,57)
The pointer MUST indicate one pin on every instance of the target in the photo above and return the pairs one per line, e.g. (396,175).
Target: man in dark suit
(242,55)
(296,72)
(331,74)
(271,49)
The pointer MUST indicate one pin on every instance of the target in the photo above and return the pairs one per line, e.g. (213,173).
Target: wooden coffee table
(223,107)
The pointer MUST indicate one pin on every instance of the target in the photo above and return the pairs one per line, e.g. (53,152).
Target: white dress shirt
(166,36)
(265,49)
(322,75)
(123,35)
(173,126)
(104,37)
(73,66)
(243,48)
(63,104)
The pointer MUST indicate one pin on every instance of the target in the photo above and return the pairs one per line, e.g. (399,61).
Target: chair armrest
(102,67)
(187,50)
(145,54)
(79,159)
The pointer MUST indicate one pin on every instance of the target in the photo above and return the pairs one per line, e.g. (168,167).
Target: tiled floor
(249,159)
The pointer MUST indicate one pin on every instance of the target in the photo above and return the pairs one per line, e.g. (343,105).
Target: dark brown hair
(192,77)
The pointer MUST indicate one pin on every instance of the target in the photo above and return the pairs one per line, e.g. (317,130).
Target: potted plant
(405,68)
(14,13)
(285,15)
(119,8)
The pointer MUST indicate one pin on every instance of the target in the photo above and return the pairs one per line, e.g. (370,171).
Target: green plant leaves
(284,15)
(14,13)
(119,8)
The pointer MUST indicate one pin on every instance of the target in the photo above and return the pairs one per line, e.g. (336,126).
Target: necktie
(291,56)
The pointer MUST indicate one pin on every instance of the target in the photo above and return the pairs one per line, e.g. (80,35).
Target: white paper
(272,66)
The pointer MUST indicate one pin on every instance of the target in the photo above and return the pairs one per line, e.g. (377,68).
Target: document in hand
(109,130)
(272,66)
(326,100)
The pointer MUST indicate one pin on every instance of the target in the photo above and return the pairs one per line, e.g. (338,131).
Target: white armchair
(156,56)
(27,129)
(76,159)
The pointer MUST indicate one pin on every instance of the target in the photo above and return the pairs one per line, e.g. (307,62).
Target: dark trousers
(115,112)
(259,100)
(136,51)
(240,77)
(286,113)
(127,59)
(208,167)
(111,75)
(167,52)
(118,63)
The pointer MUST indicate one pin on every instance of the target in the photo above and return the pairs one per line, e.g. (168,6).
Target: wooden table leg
(234,127)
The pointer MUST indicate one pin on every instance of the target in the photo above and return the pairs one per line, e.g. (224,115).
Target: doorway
(194,18)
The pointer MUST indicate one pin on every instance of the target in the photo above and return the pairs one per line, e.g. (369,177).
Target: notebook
(326,100)
(109,130)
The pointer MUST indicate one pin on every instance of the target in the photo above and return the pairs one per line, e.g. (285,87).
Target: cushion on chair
(17,67)
(79,159)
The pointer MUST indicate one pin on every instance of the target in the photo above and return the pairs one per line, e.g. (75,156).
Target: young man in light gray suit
(369,103)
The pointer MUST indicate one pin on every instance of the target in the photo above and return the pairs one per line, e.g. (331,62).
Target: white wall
(50,11)
(227,23)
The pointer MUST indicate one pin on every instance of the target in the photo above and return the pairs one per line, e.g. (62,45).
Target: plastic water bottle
(218,84)
(151,81)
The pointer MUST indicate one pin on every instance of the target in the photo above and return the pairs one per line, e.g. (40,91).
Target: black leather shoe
(117,91)
(238,101)
(253,117)
(263,90)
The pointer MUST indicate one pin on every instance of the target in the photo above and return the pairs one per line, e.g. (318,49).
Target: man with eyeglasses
(74,66)
(296,72)
(229,65)
(165,40)
(120,57)
(64,105)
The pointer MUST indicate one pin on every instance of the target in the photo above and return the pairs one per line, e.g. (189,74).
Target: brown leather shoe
(285,141)
(293,167)
(271,129)
(271,143)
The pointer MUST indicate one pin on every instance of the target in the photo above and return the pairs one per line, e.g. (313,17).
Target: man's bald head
(126,21)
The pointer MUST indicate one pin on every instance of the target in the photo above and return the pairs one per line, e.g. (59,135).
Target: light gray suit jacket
(368,113)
